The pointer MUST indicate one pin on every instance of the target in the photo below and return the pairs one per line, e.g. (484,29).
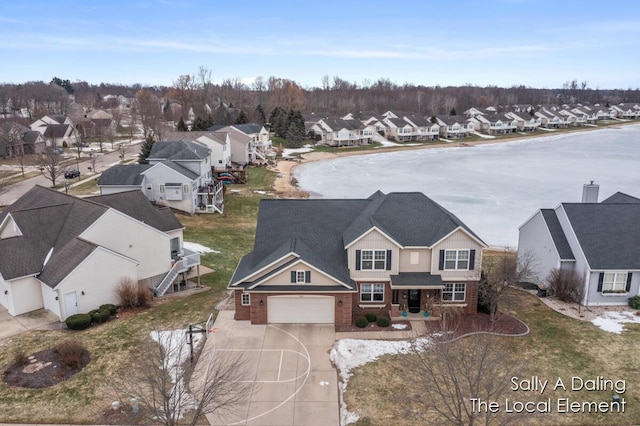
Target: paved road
(103,162)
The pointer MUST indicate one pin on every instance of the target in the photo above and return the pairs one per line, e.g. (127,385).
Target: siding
(424,264)
(284,278)
(535,240)
(373,241)
(457,240)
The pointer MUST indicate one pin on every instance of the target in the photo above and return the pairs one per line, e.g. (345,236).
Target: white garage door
(301,309)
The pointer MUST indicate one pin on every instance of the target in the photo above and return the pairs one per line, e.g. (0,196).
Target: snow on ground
(287,152)
(484,136)
(177,352)
(348,354)
(613,321)
(399,326)
(198,248)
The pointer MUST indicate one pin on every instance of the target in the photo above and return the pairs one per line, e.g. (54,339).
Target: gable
(9,228)
(283,277)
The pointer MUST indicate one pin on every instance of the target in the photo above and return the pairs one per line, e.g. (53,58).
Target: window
(185,189)
(614,282)
(456,259)
(246,299)
(300,277)
(454,292)
(373,260)
(162,189)
(372,292)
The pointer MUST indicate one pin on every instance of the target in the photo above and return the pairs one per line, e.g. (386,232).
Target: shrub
(131,295)
(371,317)
(71,352)
(566,285)
(634,302)
(98,316)
(78,321)
(361,322)
(20,359)
(383,322)
(109,307)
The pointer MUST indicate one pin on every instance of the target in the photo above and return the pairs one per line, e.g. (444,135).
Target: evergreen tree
(202,123)
(182,127)
(145,149)
(260,114)
(295,135)
(453,112)
(242,118)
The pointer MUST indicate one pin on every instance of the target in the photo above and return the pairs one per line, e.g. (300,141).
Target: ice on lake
(493,188)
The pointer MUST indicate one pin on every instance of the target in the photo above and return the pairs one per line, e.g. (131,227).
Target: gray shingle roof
(178,150)
(123,174)
(181,169)
(50,219)
(319,230)
(557,234)
(608,233)
(621,198)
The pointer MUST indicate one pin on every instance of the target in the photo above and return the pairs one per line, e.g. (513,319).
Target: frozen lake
(492,188)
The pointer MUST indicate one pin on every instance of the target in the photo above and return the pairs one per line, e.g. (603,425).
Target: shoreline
(284,187)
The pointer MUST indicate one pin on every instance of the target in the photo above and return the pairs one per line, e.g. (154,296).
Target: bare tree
(160,382)
(454,377)
(566,285)
(51,165)
(501,271)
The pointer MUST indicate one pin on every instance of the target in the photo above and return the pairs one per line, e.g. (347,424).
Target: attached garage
(309,309)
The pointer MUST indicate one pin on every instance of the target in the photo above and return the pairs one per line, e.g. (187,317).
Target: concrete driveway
(294,383)
(10,325)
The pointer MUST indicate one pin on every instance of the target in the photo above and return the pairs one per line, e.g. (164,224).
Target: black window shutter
(293,276)
(600,280)
(357,260)
(472,260)
(441,267)
(628,282)
(388,260)
(307,276)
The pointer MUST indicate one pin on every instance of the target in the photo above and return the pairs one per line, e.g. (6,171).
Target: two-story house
(330,261)
(600,241)
(68,255)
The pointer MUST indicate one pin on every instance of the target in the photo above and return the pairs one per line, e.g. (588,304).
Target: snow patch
(613,321)
(347,354)
(198,248)
(287,152)
(399,326)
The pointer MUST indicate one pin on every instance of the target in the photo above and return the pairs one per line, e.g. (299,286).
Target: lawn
(113,345)
(557,347)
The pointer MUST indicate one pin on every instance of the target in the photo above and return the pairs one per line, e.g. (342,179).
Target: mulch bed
(42,369)
(503,324)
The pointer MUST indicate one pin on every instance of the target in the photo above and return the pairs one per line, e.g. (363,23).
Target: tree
(159,380)
(242,118)
(202,123)
(295,131)
(450,375)
(65,84)
(182,127)
(145,149)
(260,117)
(452,111)
(51,166)
(501,271)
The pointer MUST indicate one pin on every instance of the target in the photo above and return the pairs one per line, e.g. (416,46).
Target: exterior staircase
(185,262)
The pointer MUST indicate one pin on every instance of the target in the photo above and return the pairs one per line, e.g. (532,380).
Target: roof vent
(590,192)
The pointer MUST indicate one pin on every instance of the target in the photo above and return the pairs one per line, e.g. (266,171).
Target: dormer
(9,228)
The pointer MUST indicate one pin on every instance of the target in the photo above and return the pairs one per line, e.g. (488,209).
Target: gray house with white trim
(600,241)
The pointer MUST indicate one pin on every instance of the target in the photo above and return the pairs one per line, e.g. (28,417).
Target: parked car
(70,174)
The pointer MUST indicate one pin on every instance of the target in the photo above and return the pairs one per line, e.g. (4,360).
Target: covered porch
(416,295)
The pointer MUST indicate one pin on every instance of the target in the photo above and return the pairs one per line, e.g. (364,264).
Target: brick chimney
(590,192)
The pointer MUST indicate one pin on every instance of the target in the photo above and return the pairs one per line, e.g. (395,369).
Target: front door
(70,304)
(414,301)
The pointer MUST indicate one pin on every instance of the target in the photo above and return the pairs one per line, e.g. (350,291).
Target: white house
(248,141)
(218,142)
(68,255)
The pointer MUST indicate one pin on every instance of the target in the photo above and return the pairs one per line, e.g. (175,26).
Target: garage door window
(372,292)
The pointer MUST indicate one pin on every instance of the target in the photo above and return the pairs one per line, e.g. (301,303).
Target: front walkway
(40,319)
(418,328)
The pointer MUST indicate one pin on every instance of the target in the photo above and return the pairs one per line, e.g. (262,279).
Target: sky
(536,43)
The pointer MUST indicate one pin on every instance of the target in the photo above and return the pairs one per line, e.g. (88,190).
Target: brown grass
(557,347)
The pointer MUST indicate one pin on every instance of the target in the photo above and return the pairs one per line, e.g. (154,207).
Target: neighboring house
(178,176)
(399,130)
(626,110)
(17,140)
(454,126)
(249,142)
(68,255)
(330,261)
(525,122)
(495,124)
(57,130)
(339,132)
(218,142)
(599,241)
(425,129)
